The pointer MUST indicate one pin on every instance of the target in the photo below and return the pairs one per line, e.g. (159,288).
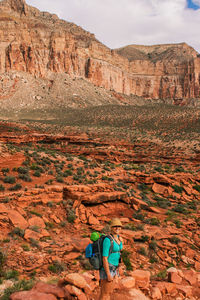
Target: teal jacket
(114,257)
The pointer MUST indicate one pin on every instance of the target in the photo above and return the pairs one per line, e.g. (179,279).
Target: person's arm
(106,248)
(106,268)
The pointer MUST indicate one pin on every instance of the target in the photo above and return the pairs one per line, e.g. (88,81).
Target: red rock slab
(166,287)
(132,294)
(159,189)
(43,287)
(32,295)
(156,293)
(190,276)
(174,277)
(186,290)
(73,290)
(36,221)
(72,256)
(17,219)
(128,282)
(3,208)
(142,278)
(76,279)
(30,234)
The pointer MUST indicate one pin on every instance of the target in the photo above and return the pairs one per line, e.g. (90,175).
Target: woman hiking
(111,261)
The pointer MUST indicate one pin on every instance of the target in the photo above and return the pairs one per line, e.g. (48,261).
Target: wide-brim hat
(115,222)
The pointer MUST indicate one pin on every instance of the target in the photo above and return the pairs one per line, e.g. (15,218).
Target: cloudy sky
(118,23)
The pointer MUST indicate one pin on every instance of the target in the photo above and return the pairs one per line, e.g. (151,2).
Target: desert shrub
(162,202)
(192,205)
(142,251)
(2,188)
(5,170)
(11,274)
(143,187)
(126,260)
(71,216)
(25,177)
(22,285)
(177,188)
(16,187)
(153,259)
(130,226)
(152,221)
(178,223)
(37,173)
(174,240)
(181,208)
(49,182)
(33,212)
(67,173)
(162,274)
(56,267)
(22,170)
(179,169)
(197,187)
(138,216)
(18,231)
(34,243)
(9,179)
(35,228)
(59,179)
(153,245)
(25,247)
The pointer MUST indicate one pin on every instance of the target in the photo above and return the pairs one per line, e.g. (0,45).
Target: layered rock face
(39,43)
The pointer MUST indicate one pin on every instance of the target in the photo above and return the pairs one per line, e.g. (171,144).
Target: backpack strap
(111,243)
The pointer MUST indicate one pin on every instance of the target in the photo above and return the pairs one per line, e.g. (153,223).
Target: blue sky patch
(191,5)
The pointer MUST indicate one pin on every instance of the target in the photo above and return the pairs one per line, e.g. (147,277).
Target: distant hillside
(37,46)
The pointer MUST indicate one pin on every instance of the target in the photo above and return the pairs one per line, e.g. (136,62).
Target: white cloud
(117,23)
(197,2)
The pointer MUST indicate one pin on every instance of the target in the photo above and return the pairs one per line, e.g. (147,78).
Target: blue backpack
(94,252)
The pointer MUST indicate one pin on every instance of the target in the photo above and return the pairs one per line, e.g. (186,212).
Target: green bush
(162,202)
(59,179)
(25,177)
(197,187)
(153,259)
(174,240)
(22,170)
(9,179)
(11,274)
(71,216)
(2,188)
(152,221)
(181,208)
(177,188)
(138,216)
(126,260)
(142,251)
(16,187)
(22,285)
(56,267)
(67,173)
(153,245)
(5,170)
(18,231)
(37,173)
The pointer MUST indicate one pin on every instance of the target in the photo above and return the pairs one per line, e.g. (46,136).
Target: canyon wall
(39,43)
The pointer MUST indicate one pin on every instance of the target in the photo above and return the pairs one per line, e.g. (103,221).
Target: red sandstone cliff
(39,43)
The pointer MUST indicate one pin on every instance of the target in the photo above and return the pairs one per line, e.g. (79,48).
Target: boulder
(32,295)
(142,278)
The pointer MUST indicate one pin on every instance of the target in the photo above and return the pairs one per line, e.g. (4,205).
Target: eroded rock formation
(40,43)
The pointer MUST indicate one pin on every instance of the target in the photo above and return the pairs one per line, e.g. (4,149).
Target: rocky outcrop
(39,43)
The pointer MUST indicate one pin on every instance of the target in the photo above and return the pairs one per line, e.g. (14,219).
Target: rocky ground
(58,188)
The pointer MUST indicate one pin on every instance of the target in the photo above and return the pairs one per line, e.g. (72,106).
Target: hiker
(110,270)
